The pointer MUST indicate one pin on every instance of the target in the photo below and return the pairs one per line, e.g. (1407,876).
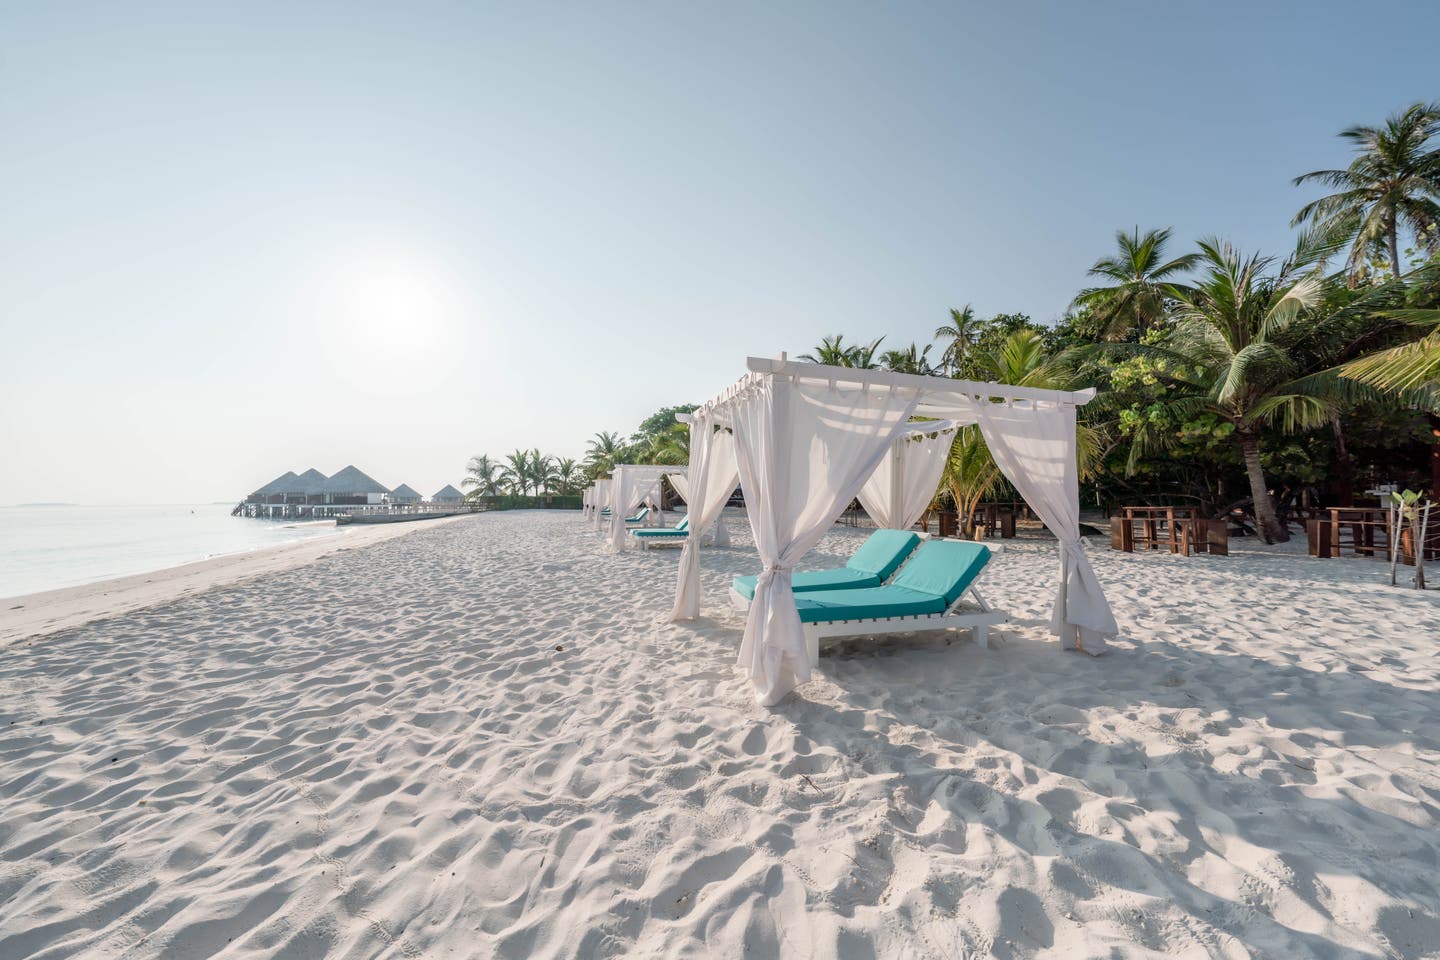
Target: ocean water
(49,547)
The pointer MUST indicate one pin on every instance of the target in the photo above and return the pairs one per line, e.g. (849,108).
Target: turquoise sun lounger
(926,594)
(876,561)
(649,536)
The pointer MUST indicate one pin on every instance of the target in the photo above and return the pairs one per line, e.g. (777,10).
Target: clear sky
(242,239)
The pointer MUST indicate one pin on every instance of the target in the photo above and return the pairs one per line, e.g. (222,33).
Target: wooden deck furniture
(1177,529)
(995,519)
(1363,531)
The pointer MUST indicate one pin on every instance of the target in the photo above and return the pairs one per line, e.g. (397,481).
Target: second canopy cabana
(803,439)
(630,486)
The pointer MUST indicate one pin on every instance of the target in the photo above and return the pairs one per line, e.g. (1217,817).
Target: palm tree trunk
(1270,527)
(1435,457)
(1395,246)
(1344,466)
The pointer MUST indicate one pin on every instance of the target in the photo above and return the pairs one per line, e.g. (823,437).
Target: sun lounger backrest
(683,524)
(883,552)
(944,568)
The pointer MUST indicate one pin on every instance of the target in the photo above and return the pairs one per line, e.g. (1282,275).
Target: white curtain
(900,489)
(803,451)
(1034,445)
(629,488)
(713,476)
(681,483)
(601,499)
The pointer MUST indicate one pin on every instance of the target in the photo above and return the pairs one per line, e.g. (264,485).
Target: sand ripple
(485,740)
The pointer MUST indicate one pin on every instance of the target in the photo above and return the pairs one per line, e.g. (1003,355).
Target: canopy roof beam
(936,390)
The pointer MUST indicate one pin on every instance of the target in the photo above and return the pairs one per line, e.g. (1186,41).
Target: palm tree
(1223,358)
(1393,180)
(833,352)
(1020,360)
(1413,366)
(483,476)
(1140,284)
(567,475)
(960,331)
(515,473)
(603,451)
(542,471)
(668,446)
(863,358)
(910,360)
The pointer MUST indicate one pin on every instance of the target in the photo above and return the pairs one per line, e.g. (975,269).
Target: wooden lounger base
(978,622)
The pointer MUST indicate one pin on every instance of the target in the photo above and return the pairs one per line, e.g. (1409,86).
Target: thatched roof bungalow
(352,486)
(276,490)
(309,487)
(447,494)
(405,494)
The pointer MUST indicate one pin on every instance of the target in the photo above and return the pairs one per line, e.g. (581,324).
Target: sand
(52,610)
(484,739)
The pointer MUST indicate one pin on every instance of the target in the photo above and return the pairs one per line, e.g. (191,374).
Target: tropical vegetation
(1232,379)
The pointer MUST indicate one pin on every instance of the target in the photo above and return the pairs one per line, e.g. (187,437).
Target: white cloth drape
(681,483)
(904,484)
(601,499)
(630,487)
(712,478)
(803,451)
(1035,447)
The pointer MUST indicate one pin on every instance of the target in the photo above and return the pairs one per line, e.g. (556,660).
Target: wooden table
(1368,530)
(1364,531)
(1177,529)
(1151,521)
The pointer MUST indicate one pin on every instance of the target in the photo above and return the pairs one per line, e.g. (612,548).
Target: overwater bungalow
(309,487)
(352,487)
(447,494)
(405,494)
(275,491)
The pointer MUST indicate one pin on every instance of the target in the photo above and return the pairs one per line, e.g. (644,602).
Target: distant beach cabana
(630,486)
(405,494)
(351,486)
(447,494)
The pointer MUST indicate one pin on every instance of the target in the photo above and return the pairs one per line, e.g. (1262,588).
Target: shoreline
(32,615)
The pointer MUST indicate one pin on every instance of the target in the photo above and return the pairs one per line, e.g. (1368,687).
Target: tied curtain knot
(772,571)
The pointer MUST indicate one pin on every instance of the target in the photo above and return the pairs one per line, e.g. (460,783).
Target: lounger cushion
(679,530)
(944,568)
(878,557)
(866,604)
(883,552)
(842,579)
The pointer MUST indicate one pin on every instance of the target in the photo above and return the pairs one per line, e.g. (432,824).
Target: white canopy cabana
(681,483)
(804,439)
(904,484)
(630,486)
(600,499)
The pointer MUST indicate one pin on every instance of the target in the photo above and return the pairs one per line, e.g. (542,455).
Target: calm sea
(45,548)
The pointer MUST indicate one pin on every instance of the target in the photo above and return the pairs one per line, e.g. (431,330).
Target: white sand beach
(484,738)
